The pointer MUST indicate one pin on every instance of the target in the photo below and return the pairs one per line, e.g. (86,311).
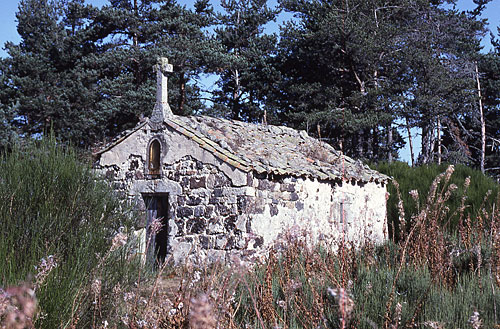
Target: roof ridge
(198,128)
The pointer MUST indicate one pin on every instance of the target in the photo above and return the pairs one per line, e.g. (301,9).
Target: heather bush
(56,225)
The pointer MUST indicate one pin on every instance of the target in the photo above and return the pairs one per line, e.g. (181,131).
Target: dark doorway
(157,208)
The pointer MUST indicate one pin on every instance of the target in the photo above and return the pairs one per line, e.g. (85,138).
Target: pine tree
(44,76)
(243,58)
(180,34)
(489,68)
(358,69)
(87,73)
(337,64)
(440,91)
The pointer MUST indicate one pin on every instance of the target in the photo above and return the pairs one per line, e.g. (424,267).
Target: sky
(8,32)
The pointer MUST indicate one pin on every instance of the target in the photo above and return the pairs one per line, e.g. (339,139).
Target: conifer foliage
(357,74)
(244,55)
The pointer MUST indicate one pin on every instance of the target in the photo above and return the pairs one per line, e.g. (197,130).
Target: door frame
(155,254)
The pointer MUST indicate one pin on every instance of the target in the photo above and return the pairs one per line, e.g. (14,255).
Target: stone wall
(206,216)
(213,218)
(323,209)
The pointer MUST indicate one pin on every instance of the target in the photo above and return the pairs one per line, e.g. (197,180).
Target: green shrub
(373,288)
(423,300)
(52,207)
(421,178)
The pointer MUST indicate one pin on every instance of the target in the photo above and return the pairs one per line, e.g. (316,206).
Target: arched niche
(154,158)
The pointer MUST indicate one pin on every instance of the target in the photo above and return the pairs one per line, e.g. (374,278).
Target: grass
(435,276)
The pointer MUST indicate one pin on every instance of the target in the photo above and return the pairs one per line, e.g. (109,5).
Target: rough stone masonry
(223,187)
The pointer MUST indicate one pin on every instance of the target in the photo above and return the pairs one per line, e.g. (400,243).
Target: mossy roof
(266,149)
(271,149)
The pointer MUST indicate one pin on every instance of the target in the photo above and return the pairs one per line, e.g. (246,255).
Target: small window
(154,158)
(342,213)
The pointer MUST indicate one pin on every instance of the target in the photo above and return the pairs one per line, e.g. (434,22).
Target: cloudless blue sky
(8,32)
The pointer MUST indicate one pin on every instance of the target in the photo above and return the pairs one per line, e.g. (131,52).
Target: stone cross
(162,109)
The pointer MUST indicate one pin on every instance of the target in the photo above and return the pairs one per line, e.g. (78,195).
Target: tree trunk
(136,43)
(425,152)
(369,143)
(182,92)
(361,141)
(236,95)
(389,144)
(483,123)
(375,143)
(432,143)
(439,139)
(410,141)
(236,76)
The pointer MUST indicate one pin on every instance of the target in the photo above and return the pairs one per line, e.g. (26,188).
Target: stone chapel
(221,186)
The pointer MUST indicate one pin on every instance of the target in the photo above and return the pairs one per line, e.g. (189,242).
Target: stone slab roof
(271,149)
(268,149)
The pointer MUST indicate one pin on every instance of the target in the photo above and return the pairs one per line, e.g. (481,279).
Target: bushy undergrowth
(481,191)
(56,225)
